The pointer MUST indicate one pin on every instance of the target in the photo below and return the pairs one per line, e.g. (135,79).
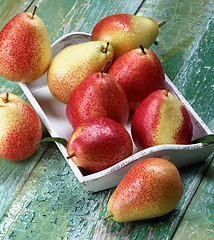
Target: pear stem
(142,48)
(161,24)
(104,68)
(34,10)
(106,49)
(7,97)
(108,216)
(167,93)
(71,155)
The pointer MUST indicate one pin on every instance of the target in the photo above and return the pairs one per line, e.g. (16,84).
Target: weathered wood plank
(13,175)
(198,220)
(52,204)
(195,81)
(195,78)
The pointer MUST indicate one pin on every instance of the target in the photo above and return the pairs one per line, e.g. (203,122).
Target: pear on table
(97,95)
(151,188)
(25,49)
(126,32)
(20,128)
(99,143)
(161,119)
(74,63)
(139,72)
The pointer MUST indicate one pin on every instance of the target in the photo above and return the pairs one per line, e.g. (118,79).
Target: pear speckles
(99,143)
(97,96)
(25,49)
(126,32)
(20,129)
(151,188)
(138,74)
(161,119)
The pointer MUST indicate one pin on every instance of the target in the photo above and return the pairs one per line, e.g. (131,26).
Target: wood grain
(48,202)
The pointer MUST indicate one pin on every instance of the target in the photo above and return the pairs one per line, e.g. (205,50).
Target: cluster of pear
(115,76)
(106,81)
(103,82)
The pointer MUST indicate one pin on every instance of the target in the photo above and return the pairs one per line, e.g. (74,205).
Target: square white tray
(52,113)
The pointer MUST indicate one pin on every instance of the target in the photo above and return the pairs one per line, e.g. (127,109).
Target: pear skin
(20,128)
(161,119)
(99,143)
(97,95)
(25,49)
(74,63)
(151,188)
(126,32)
(139,72)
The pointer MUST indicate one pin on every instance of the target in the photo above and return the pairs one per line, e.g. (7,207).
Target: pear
(99,143)
(20,128)
(25,49)
(126,32)
(161,119)
(98,94)
(139,72)
(151,188)
(74,63)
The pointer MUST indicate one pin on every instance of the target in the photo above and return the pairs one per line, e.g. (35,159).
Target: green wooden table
(41,198)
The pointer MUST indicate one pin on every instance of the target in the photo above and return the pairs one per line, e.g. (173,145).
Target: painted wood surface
(44,198)
(198,219)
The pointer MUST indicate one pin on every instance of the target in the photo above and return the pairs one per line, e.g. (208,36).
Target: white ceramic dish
(52,113)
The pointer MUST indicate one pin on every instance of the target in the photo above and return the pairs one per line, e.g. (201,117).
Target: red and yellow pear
(161,119)
(99,143)
(25,49)
(151,188)
(139,72)
(74,63)
(98,95)
(20,128)
(126,32)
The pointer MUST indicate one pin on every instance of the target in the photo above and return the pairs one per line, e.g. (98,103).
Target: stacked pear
(99,143)
(151,188)
(73,64)
(25,50)
(99,94)
(20,128)
(161,119)
(139,72)
(126,32)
